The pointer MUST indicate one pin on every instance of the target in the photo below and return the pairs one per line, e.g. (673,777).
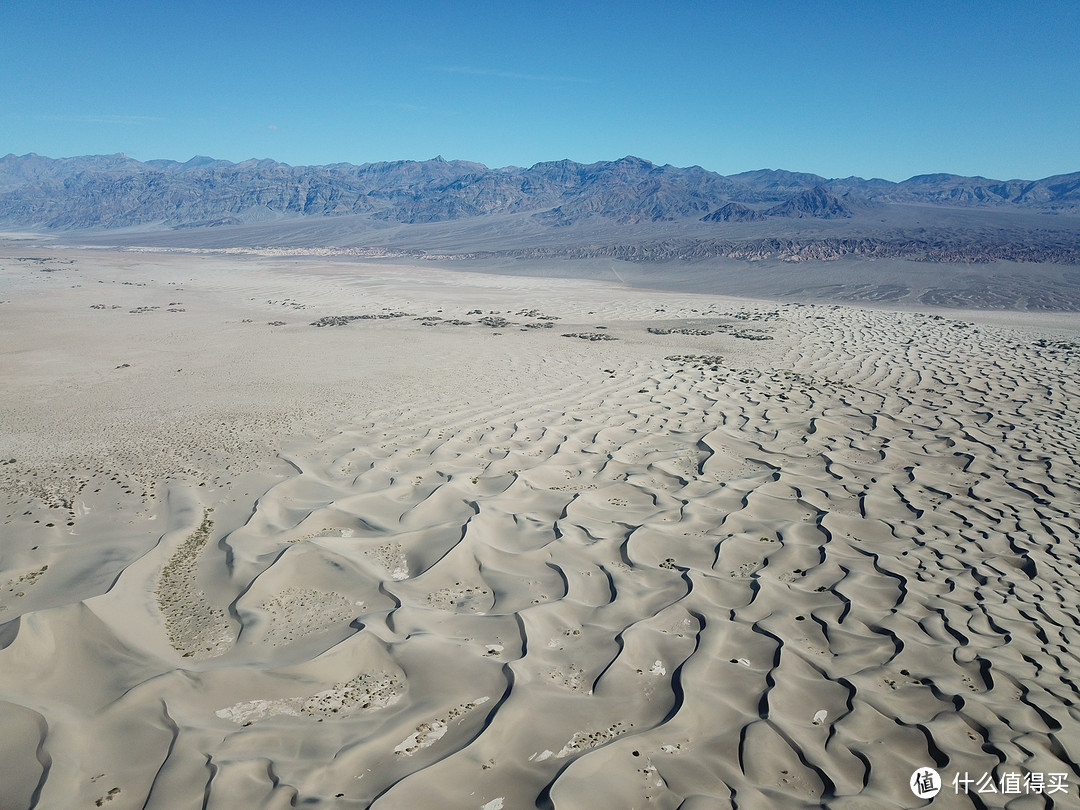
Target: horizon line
(439,157)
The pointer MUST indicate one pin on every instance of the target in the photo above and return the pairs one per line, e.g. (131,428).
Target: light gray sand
(401,565)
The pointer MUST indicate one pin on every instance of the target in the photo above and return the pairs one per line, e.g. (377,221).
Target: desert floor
(510,542)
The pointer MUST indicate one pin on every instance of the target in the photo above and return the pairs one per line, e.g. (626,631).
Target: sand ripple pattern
(673,584)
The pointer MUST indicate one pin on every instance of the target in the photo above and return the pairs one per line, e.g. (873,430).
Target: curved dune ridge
(667,570)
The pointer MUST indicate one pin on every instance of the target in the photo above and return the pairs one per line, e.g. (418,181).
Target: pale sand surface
(461,566)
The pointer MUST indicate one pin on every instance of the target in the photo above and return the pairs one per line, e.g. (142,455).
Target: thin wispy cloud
(506,74)
(404,106)
(97,118)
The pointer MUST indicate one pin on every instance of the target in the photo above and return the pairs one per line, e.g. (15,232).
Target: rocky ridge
(117,191)
(628,209)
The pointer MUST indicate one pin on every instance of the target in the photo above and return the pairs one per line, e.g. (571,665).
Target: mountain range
(627,208)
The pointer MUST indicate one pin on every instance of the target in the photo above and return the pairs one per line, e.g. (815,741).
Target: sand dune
(396,565)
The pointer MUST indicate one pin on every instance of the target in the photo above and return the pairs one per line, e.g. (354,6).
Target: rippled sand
(401,563)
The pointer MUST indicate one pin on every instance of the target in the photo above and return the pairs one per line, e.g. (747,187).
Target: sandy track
(583,575)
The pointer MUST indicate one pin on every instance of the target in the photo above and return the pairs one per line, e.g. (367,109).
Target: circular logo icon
(925,783)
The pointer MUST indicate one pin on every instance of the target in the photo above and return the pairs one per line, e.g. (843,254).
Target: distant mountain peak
(815,202)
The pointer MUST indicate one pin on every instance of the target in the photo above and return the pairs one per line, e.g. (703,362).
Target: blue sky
(885,89)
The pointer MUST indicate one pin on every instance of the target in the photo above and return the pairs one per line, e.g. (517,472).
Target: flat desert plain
(484,541)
